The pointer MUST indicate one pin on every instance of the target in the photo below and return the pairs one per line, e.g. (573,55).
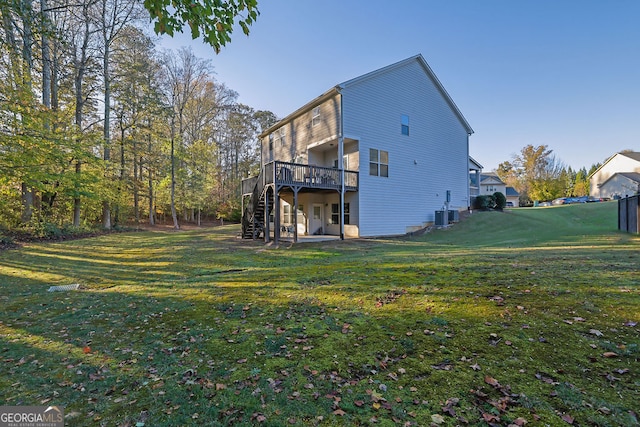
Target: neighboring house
(618,177)
(491,183)
(375,155)
(513,197)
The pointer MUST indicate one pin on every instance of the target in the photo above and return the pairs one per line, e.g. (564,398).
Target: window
(378,162)
(335,213)
(345,162)
(271,142)
(404,124)
(279,136)
(287,214)
(315,116)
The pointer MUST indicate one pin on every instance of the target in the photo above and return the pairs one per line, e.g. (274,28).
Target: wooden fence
(628,214)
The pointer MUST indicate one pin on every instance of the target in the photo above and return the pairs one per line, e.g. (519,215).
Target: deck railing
(310,176)
(300,175)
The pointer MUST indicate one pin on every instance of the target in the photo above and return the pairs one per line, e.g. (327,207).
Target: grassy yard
(530,316)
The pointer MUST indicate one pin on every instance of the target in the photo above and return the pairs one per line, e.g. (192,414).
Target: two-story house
(375,155)
(618,177)
(491,183)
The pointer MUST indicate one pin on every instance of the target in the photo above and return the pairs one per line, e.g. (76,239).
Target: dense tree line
(538,175)
(99,127)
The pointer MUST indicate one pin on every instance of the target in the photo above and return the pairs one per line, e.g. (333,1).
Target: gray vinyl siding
(422,166)
(300,133)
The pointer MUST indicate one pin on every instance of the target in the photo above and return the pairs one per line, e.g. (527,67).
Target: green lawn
(525,316)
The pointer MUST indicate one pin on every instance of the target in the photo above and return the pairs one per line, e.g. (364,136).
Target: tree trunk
(174,214)
(46,55)
(137,175)
(27,203)
(152,217)
(81,67)
(106,210)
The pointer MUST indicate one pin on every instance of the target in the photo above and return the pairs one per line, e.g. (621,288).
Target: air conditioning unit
(441,219)
(454,216)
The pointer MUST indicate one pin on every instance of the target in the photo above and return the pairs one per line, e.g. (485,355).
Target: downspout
(341,163)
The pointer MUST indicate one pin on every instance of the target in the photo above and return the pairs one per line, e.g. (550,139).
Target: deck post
(276,215)
(295,215)
(267,237)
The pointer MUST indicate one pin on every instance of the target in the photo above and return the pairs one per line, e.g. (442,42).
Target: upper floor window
(315,116)
(270,142)
(404,124)
(280,135)
(378,162)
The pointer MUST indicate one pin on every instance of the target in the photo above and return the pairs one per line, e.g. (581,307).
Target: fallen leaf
(609,354)
(339,412)
(490,417)
(86,349)
(491,381)
(631,324)
(437,419)
(596,332)
(567,418)
(520,421)
(475,367)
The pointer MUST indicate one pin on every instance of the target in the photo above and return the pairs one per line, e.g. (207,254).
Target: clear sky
(565,73)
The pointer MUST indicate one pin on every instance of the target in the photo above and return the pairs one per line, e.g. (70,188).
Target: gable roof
(492,177)
(512,192)
(633,176)
(428,71)
(336,90)
(630,154)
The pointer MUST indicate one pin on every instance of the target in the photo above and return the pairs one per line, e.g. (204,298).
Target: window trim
(335,213)
(378,163)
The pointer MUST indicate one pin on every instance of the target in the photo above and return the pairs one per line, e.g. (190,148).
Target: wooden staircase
(253,217)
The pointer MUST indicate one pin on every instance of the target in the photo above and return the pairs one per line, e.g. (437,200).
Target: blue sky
(565,73)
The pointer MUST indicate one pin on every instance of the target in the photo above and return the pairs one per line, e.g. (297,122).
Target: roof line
(431,75)
(336,89)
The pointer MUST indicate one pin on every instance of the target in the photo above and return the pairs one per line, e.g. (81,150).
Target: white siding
(618,163)
(619,186)
(422,166)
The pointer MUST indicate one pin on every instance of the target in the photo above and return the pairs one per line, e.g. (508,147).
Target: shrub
(483,202)
(500,200)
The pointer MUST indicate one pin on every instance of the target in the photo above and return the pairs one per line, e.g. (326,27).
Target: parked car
(509,204)
(544,204)
(559,201)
